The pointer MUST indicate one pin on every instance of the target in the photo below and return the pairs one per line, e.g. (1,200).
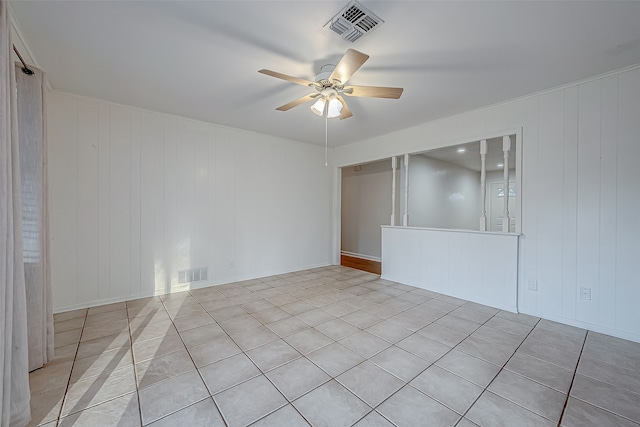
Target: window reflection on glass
(512,192)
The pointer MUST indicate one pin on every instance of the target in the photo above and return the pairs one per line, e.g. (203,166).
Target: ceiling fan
(329,87)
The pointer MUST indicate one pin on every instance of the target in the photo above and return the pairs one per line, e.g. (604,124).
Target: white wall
(580,195)
(137,195)
(442,195)
(366,205)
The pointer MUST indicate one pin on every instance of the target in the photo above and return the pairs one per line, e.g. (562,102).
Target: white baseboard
(584,325)
(186,287)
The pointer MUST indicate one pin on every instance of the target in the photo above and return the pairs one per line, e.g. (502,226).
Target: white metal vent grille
(192,275)
(353,22)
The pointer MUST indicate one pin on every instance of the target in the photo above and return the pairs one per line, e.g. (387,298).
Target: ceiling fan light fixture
(318,106)
(334,108)
(329,86)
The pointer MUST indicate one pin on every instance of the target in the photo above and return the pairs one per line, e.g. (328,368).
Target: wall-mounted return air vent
(353,22)
(192,275)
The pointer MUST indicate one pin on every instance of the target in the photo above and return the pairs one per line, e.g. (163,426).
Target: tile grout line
(194,365)
(609,383)
(77,351)
(496,376)
(166,379)
(299,286)
(131,347)
(73,365)
(254,364)
(573,378)
(407,383)
(289,402)
(434,362)
(392,345)
(243,352)
(100,374)
(131,343)
(252,361)
(302,356)
(574,369)
(135,370)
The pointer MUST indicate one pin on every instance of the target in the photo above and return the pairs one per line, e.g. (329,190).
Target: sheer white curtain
(14,377)
(33,185)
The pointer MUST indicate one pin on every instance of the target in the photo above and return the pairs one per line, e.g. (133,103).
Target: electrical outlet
(585,293)
(533,285)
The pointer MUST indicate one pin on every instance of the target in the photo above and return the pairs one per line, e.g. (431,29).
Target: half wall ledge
(478,266)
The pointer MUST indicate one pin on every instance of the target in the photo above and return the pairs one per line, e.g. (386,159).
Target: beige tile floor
(329,347)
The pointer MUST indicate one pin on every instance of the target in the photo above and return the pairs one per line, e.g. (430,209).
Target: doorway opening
(365,206)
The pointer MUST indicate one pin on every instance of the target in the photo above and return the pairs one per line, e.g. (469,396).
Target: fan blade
(374,91)
(345,113)
(291,79)
(297,102)
(348,65)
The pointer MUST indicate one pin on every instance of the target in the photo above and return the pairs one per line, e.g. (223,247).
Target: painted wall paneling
(476,266)
(394,186)
(625,280)
(137,196)
(88,206)
(483,185)
(579,191)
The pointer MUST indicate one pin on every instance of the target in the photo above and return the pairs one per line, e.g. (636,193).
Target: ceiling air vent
(353,22)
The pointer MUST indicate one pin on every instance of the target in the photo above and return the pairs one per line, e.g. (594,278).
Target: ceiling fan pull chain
(326,140)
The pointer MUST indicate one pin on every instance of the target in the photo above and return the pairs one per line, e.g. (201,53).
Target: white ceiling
(200,59)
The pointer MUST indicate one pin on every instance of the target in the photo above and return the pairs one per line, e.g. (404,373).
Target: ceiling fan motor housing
(323,78)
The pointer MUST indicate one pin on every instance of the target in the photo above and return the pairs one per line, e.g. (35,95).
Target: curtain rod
(25,69)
